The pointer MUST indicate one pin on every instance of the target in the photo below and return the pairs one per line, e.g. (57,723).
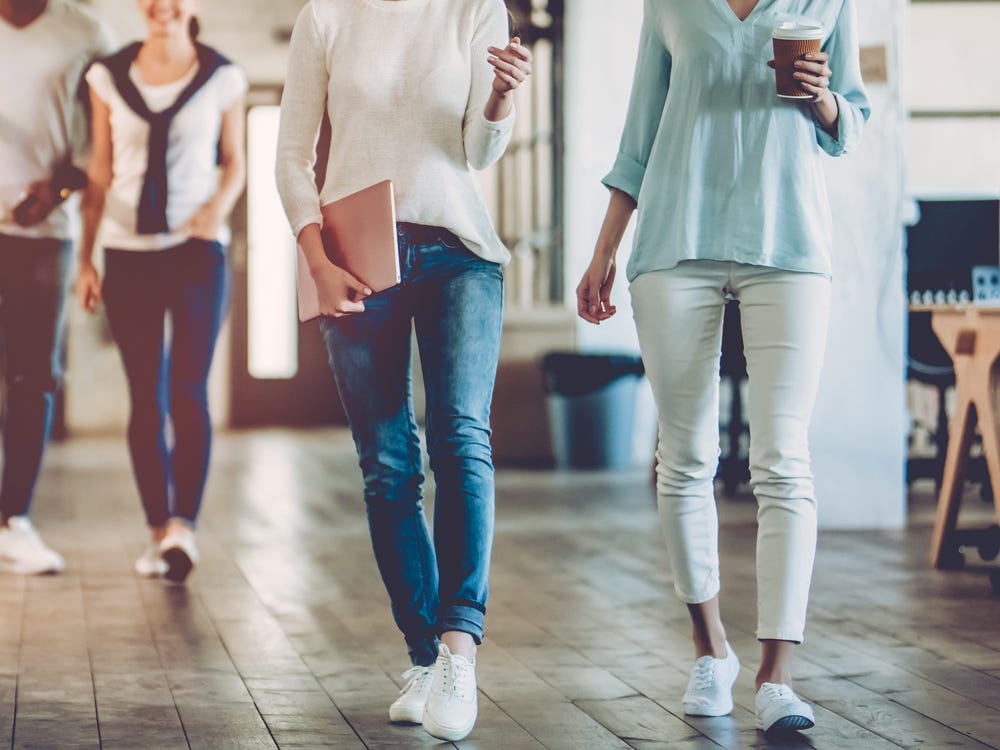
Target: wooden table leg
(973,341)
(952,483)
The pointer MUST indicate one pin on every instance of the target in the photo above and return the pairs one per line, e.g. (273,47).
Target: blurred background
(933,144)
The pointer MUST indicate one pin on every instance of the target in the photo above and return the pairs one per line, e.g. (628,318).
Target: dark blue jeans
(454,299)
(33,278)
(168,381)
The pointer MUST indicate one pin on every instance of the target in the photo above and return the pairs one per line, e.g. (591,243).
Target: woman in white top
(167,168)
(728,182)
(419,92)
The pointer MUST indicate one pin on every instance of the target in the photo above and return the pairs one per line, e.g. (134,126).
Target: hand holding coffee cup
(800,67)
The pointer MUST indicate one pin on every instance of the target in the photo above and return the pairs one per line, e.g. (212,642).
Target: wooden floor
(283,638)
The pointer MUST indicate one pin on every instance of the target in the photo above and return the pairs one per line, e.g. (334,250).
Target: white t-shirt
(192,148)
(42,121)
(404,83)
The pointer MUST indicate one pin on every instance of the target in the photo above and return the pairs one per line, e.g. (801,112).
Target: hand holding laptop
(351,257)
(337,292)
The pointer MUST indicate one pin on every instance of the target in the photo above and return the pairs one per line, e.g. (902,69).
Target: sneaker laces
(415,677)
(776,691)
(457,675)
(703,674)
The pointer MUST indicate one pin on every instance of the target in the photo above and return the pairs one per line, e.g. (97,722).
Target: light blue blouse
(721,167)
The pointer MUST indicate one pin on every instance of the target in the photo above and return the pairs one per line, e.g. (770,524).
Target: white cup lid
(798,30)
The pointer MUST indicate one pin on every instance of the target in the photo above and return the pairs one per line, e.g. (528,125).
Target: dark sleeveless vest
(152,213)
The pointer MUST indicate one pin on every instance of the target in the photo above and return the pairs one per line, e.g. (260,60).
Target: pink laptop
(359,235)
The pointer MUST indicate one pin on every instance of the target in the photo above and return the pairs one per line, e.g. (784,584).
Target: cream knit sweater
(404,83)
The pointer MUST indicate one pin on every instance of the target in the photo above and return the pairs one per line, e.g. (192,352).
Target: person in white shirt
(167,169)
(419,92)
(45,46)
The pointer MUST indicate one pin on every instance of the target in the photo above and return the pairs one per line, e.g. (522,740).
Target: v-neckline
(731,14)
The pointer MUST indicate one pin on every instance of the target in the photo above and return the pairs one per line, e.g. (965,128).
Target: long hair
(512,23)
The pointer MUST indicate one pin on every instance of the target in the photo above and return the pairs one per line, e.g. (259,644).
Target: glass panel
(272,319)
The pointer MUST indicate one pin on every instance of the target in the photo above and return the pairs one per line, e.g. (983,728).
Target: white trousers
(678,314)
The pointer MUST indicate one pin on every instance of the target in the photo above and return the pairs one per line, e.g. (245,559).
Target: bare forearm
(92,210)
(616,220)
(311,242)
(498,106)
(827,113)
(231,183)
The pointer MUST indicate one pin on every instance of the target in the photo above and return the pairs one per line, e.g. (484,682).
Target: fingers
(516,72)
(348,308)
(593,303)
(515,49)
(358,286)
(814,70)
(94,298)
(511,64)
(604,293)
(583,307)
(89,292)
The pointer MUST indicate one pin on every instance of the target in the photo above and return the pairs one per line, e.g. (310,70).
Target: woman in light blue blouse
(731,199)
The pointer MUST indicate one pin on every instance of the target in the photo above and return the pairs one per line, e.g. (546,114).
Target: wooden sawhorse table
(971,335)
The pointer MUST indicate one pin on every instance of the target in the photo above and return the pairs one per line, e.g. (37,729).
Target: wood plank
(283,636)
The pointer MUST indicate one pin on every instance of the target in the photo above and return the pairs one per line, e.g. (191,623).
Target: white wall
(951,42)
(858,436)
(859,427)
(601,43)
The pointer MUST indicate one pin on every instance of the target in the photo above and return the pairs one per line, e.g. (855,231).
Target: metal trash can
(591,402)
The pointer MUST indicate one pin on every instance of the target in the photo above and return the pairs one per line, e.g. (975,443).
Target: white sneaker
(778,708)
(408,708)
(452,706)
(710,687)
(150,564)
(22,550)
(179,552)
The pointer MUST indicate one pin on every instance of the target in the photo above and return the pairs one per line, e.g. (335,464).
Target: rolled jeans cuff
(794,636)
(423,652)
(465,619)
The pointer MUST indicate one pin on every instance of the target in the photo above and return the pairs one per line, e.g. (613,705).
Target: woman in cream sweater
(419,92)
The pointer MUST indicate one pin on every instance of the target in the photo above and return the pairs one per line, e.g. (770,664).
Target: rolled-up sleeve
(846,84)
(302,106)
(485,140)
(645,109)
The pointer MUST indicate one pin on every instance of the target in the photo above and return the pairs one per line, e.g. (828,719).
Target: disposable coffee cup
(793,40)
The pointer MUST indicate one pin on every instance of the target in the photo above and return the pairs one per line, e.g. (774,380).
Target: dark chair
(927,362)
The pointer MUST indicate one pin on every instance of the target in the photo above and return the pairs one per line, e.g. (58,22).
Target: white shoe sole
(450,734)
(405,715)
(157,572)
(722,709)
(7,566)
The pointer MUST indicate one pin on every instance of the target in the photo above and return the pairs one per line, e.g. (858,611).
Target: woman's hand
(593,294)
(813,74)
(88,287)
(511,65)
(340,294)
(206,222)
